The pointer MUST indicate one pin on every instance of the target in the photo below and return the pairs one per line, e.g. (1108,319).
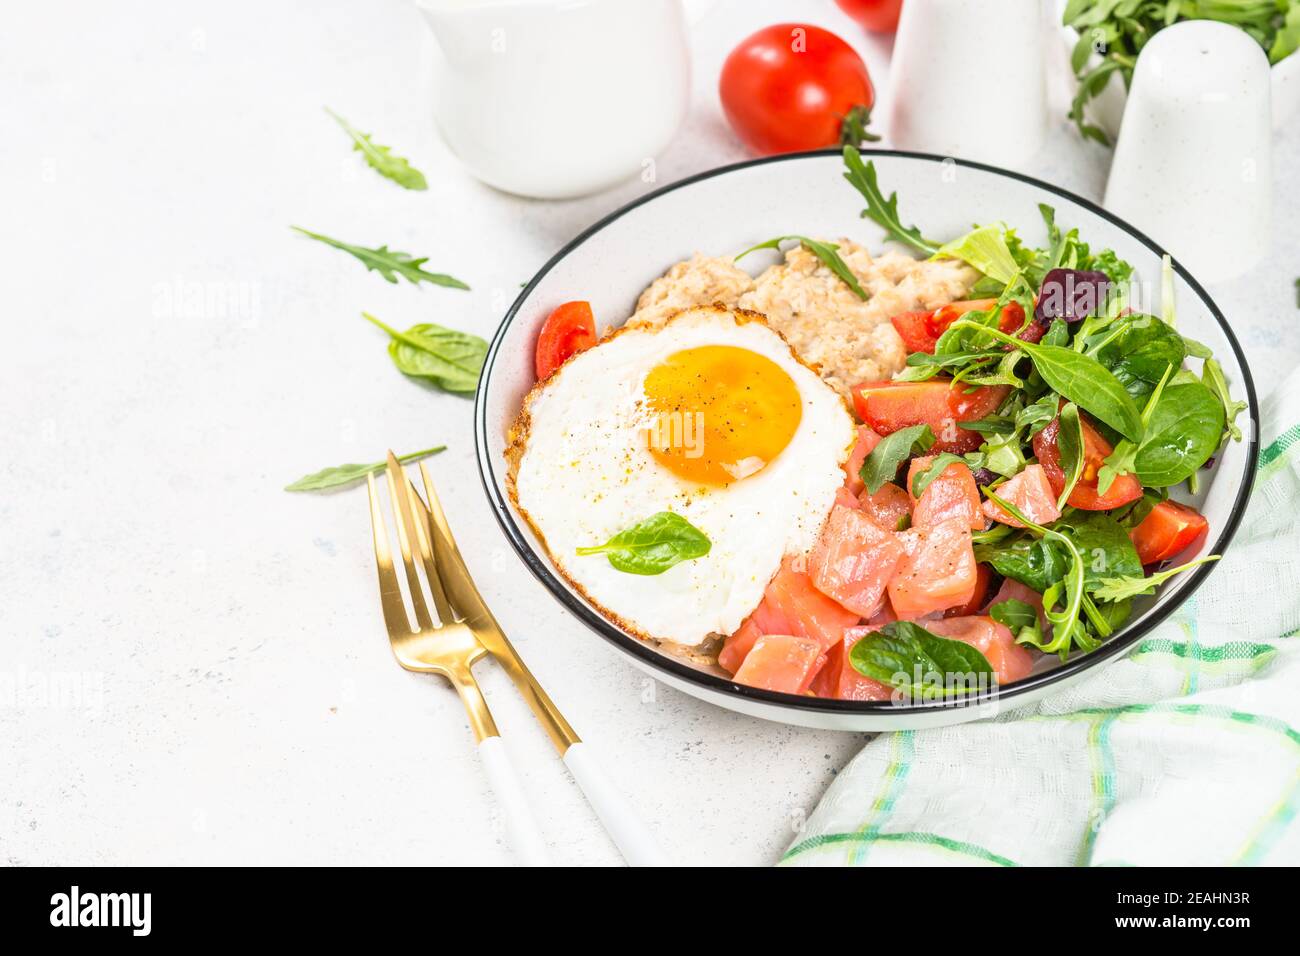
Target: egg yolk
(720,413)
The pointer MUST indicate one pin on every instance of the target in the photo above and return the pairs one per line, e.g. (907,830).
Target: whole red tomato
(878,16)
(790,86)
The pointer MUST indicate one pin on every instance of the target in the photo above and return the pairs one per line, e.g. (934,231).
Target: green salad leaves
(924,665)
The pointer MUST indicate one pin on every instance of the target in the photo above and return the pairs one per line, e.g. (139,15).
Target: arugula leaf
(905,655)
(1069,441)
(449,359)
(825,251)
(986,249)
(881,466)
(883,212)
(1129,586)
(654,545)
(339,475)
(381,158)
(388,263)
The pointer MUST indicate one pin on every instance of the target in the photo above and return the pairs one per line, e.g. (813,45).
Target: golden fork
(448,647)
(437,550)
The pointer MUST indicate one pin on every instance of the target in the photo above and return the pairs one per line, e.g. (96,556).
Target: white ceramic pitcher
(558,98)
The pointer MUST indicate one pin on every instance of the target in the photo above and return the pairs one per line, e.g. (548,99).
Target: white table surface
(194,668)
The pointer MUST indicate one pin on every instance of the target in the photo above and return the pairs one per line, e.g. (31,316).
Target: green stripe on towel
(921,839)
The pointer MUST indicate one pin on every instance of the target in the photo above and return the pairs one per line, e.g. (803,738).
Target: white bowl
(729,209)
(1106,109)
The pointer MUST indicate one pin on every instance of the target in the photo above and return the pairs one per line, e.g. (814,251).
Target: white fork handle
(632,837)
(524,834)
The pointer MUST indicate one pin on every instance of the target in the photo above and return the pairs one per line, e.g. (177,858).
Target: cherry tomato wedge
(1085,495)
(1169,530)
(568,330)
(789,87)
(920,331)
(889,406)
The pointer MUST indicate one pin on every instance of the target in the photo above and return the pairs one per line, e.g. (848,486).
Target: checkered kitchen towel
(1187,752)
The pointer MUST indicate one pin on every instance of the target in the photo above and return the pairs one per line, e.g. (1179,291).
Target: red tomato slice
(920,331)
(889,406)
(789,86)
(570,329)
(1085,495)
(1169,530)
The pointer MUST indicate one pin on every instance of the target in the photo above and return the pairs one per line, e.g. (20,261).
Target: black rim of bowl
(660,660)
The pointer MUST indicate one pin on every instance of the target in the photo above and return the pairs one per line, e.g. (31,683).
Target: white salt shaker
(968,80)
(1193,163)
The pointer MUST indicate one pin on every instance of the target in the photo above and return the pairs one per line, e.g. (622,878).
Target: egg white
(585,474)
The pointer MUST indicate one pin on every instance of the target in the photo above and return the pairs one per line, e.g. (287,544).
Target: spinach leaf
(1069,441)
(389,263)
(1104,544)
(339,475)
(1080,378)
(1033,562)
(825,251)
(883,212)
(381,158)
(1185,429)
(882,464)
(654,545)
(1014,614)
(451,360)
(1139,354)
(905,655)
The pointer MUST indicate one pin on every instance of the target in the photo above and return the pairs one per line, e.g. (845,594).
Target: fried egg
(711,417)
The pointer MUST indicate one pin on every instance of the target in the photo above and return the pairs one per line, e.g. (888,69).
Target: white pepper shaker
(968,80)
(1193,163)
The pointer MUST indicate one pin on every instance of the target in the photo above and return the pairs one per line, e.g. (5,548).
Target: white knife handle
(524,834)
(630,835)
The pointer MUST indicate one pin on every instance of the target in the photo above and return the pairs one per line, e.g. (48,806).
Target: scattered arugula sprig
(388,263)
(339,476)
(1130,586)
(883,212)
(827,252)
(381,158)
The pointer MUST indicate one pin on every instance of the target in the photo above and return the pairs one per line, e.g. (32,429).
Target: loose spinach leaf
(1124,587)
(341,475)
(388,263)
(1184,430)
(1015,614)
(1139,354)
(654,545)
(1104,544)
(450,359)
(883,212)
(882,464)
(1033,562)
(381,158)
(825,251)
(905,655)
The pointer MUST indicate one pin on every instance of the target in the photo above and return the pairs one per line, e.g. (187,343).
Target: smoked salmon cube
(887,506)
(952,494)
(937,570)
(738,645)
(781,662)
(853,561)
(1031,493)
(1009,660)
(838,679)
(867,441)
(792,605)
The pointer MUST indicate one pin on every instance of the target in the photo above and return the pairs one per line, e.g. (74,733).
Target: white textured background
(237,700)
